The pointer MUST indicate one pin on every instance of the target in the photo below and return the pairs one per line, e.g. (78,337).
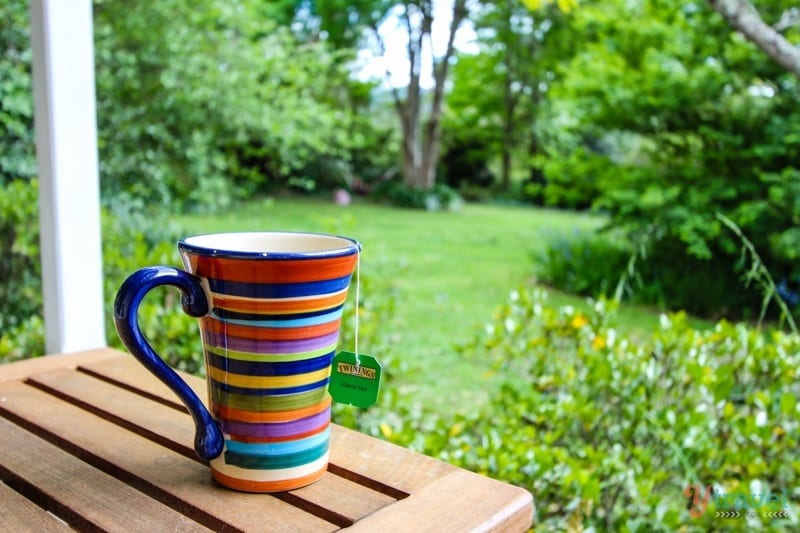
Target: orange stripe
(229,413)
(267,486)
(265,270)
(279,307)
(271,334)
(296,436)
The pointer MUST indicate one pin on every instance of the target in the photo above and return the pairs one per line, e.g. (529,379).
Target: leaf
(788,403)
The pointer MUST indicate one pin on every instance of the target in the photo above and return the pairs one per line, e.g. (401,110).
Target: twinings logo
(353,370)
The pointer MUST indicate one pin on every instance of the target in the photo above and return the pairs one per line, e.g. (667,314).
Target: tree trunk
(433,130)
(742,16)
(421,148)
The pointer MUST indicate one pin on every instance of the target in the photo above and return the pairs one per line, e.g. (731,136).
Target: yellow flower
(598,342)
(456,429)
(564,5)
(579,321)
(386,430)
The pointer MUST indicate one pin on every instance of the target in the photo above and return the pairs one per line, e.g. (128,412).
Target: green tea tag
(355,380)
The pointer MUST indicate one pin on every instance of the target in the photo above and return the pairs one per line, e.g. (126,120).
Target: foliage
(19,255)
(17,158)
(347,23)
(399,194)
(22,341)
(658,274)
(663,119)
(134,237)
(759,276)
(582,262)
(498,89)
(563,5)
(573,180)
(609,433)
(340,20)
(203,103)
(20,269)
(465,161)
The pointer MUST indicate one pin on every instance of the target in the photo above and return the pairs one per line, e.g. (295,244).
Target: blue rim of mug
(353,248)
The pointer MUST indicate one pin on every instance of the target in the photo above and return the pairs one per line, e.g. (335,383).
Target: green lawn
(451,270)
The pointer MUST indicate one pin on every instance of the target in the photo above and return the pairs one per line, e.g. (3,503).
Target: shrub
(608,434)
(21,332)
(570,181)
(465,161)
(134,237)
(17,159)
(589,264)
(597,264)
(399,194)
(20,269)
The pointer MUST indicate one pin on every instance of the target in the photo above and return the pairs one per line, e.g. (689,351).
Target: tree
(421,140)
(497,92)
(200,102)
(742,16)
(344,23)
(676,119)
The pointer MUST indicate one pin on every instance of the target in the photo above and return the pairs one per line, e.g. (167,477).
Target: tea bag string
(358,301)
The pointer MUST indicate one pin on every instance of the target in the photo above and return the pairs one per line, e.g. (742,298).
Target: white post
(69,192)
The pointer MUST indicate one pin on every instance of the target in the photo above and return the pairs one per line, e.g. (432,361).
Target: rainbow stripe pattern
(269,339)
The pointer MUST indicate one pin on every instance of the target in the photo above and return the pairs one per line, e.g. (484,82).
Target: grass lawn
(450,269)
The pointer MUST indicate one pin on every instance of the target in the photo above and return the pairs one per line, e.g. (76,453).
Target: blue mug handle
(208,439)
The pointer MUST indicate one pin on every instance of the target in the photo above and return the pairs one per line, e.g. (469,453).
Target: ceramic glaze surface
(270,331)
(269,338)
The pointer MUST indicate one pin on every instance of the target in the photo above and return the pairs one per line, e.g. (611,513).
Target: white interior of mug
(271,242)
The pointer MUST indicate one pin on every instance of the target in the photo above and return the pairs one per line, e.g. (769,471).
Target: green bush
(20,294)
(668,126)
(21,332)
(584,263)
(397,193)
(598,264)
(203,103)
(608,434)
(133,238)
(17,159)
(572,180)
(465,161)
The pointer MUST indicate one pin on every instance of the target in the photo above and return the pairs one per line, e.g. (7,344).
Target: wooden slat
(21,369)
(349,499)
(84,496)
(165,425)
(332,497)
(392,465)
(479,503)
(177,481)
(461,501)
(17,513)
(126,371)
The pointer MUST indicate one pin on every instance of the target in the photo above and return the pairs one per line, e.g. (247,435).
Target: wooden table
(92,441)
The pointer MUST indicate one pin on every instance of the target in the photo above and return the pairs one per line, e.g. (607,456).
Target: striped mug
(269,306)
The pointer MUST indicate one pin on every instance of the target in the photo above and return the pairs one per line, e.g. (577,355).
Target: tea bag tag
(355,380)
